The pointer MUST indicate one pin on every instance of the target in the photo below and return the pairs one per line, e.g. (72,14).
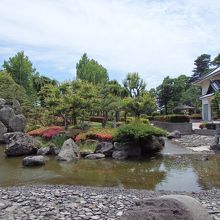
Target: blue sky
(154,38)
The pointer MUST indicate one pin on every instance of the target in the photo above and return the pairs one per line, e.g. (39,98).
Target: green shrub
(155,113)
(31,127)
(137,131)
(58,140)
(145,121)
(172,118)
(196,116)
(208,126)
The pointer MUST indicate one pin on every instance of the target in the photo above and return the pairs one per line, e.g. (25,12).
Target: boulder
(84,154)
(105,148)
(16,106)
(17,123)
(3,130)
(69,151)
(43,151)
(215,147)
(33,161)
(170,207)
(54,150)
(2,102)
(174,134)
(120,155)
(19,144)
(6,113)
(132,149)
(95,156)
(152,144)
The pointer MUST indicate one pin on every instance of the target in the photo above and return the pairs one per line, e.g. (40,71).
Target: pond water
(175,169)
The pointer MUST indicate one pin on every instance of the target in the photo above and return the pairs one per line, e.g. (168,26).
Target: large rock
(129,149)
(69,151)
(51,150)
(2,102)
(105,148)
(16,106)
(171,207)
(6,113)
(17,123)
(95,156)
(54,150)
(19,144)
(120,155)
(3,130)
(152,144)
(33,161)
(215,147)
(174,134)
(43,151)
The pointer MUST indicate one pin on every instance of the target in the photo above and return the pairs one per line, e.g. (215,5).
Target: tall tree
(39,81)
(202,64)
(10,90)
(216,61)
(21,69)
(134,85)
(91,70)
(165,94)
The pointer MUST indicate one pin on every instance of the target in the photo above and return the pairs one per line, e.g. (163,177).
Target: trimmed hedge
(172,118)
(97,119)
(196,116)
(137,131)
(132,119)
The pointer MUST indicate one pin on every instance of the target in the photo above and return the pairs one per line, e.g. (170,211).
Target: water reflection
(161,172)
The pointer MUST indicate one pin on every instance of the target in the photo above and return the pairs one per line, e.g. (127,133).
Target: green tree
(191,97)
(144,104)
(134,85)
(91,70)
(21,70)
(165,94)
(39,81)
(202,64)
(10,90)
(180,85)
(216,61)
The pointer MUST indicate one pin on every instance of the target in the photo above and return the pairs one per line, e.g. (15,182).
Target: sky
(156,38)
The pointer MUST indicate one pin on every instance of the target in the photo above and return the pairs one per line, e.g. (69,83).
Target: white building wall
(208,102)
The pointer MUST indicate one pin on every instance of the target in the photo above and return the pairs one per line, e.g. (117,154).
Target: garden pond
(176,169)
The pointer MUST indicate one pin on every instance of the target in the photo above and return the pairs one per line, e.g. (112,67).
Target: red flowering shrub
(47,133)
(103,137)
(80,137)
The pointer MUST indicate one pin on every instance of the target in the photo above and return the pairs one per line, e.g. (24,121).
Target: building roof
(215,72)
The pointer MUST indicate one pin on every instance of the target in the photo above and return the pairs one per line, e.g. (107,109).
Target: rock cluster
(121,151)
(11,119)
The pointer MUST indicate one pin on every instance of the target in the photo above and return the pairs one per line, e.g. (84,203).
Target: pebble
(92,203)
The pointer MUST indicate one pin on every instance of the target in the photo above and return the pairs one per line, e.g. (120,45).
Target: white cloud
(155,38)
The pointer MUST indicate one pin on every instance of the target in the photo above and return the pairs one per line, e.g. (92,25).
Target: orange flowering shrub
(47,133)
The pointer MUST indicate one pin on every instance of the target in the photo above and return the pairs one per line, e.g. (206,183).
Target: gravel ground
(73,202)
(195,140)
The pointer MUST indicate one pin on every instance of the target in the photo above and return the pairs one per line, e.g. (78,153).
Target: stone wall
(184,128)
